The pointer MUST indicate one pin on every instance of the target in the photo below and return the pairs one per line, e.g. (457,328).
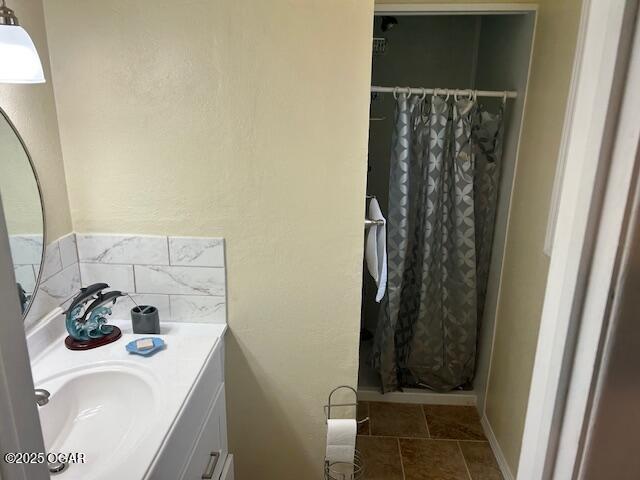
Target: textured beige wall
(170,152)
(525,265)
(248,120)
(18,188)
(32,110)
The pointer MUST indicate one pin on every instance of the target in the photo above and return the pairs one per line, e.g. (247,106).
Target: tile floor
(424,442)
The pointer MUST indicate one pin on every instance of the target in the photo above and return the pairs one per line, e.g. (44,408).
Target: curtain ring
(470,95)
(408,92)
(424,94)
(448,95)
(504,98)
(475,96)
(395,92)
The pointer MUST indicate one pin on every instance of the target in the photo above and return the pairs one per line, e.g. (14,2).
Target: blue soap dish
(158,344)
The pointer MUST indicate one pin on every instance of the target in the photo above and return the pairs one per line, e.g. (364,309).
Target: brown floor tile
(453,422)
(432,460)
(397,420)
(381,458)
(362,413)
(480,461)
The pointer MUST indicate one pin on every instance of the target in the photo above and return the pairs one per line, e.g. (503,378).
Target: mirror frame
(42,208)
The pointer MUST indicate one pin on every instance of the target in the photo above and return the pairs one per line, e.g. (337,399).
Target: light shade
(19,60)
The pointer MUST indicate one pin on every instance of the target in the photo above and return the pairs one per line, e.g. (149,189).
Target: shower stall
(447,102)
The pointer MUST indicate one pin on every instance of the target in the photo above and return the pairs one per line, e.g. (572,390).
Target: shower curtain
(443,184)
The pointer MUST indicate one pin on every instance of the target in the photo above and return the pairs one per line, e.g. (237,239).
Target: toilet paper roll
(341,440)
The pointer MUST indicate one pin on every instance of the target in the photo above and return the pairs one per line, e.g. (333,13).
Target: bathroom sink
(104,411)
(116,408)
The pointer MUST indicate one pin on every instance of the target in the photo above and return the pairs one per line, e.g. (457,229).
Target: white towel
(376,249)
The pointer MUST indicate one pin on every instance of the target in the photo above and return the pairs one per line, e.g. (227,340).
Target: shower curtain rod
(443,91)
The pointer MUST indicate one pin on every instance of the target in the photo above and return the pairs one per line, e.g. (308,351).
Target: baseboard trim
(415,395)
(497,451)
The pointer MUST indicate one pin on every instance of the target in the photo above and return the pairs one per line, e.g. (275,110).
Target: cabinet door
(182,440)
(210,453)
(227,472)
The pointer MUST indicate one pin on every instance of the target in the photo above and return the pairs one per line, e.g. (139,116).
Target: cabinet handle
(211,465)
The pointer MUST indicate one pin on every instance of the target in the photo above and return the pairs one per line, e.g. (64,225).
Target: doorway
(466,58)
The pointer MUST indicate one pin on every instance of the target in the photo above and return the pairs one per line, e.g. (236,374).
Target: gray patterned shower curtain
(443,184)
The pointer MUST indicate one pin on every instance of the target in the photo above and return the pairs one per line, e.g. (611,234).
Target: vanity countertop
(121,437)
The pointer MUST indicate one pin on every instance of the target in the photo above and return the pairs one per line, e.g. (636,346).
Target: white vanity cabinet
(196,447)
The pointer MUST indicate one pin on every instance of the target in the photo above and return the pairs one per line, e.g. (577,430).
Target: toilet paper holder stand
(343,471)
(330,405)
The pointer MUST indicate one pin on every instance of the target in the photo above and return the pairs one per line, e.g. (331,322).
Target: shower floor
(424,442)
(369,387)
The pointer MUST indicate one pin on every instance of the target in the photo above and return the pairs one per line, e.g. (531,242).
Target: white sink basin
(116,408)
(103,411)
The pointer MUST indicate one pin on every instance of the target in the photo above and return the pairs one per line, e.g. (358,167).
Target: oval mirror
(23,210)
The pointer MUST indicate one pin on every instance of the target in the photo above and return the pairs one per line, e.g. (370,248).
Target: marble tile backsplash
(123,249)
(60,277)
(179,280)
(183,276)
(196,252)
(26,249)
(26,252)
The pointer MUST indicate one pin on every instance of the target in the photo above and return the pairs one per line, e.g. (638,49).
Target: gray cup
(145,319)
